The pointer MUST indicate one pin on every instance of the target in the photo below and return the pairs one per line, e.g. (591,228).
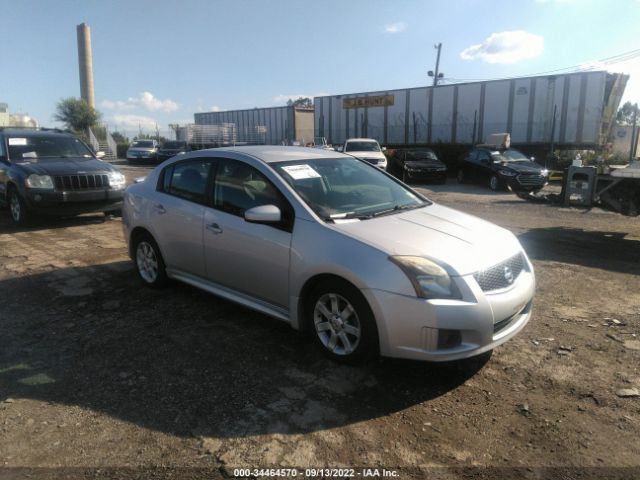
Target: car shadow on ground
(48,223)
(184,362)
(611,251)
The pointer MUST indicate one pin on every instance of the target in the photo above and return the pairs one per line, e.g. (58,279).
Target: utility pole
(634,134)
(437,75)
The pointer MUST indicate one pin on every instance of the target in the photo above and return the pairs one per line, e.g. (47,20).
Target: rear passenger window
(187,180)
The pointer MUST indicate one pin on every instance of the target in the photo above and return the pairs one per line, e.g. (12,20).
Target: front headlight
(428,278)
(39,181)
(544,172)
(116,179)
(507,173)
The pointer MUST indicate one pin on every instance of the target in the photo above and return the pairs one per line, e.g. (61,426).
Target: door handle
(159,208)
(214,228)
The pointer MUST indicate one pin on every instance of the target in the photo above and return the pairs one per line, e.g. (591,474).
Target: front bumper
(526,183)
(74,202)
(410,327)
(426,175)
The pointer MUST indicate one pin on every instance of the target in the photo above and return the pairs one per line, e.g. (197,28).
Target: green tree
(76,114)
(300,102)
(119,138)
(625,114)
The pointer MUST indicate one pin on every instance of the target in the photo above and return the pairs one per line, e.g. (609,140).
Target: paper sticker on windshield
(17,141)
(300,172)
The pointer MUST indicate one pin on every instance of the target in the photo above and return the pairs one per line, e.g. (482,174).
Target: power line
(622,57)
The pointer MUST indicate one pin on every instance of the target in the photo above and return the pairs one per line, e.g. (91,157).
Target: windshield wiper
(348,215)
(398,208)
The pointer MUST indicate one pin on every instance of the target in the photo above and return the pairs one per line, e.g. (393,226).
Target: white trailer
(573,110)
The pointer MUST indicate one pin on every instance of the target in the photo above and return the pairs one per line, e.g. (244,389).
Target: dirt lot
(97,372)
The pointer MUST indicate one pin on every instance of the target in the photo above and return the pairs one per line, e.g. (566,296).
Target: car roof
(271,154)
(31,132)
(361,140)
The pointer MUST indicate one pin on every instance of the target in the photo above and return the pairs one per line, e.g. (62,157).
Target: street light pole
(435,77)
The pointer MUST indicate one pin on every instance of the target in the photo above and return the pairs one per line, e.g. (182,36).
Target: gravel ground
(97,372)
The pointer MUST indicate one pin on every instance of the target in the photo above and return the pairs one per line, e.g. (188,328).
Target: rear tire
(341,322)
(18,209)
(149,262)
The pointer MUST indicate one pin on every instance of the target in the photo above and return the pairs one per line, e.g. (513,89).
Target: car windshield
(342,188)
(34,148)
(142,144)
(421,155)
(362,147)
(511,156)
(173,145)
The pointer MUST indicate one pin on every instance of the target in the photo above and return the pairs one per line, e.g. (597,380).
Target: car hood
(424,164)
(65,166)
(522,167)
(379,155)
(171,150)
(461,243)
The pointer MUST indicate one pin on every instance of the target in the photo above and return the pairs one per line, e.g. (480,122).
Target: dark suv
(499,169)
(171,149)
(52,172)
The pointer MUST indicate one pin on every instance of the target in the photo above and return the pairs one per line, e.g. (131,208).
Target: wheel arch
(309,286)
(135,234)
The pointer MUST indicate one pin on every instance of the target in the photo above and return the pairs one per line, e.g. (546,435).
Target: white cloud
(506,47)
(396,27)
(215,108)
(146,101)
(129,121)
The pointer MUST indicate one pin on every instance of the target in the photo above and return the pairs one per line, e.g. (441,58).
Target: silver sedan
(333,246)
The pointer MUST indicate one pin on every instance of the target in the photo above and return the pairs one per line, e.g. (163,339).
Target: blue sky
(161,61)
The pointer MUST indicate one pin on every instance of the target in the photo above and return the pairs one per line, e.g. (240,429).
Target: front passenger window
(240,187)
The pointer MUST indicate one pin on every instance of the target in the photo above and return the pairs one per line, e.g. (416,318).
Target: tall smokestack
(85,64)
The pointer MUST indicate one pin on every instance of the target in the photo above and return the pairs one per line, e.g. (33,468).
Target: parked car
(499,169)
(171,149)
(366,149)
(143,150)
(51,172)
(420,164)
(331,245)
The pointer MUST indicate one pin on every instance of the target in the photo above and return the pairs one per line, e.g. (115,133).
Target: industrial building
(256,126)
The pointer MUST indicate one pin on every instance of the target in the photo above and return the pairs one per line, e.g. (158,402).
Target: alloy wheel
(16,208)
(147,262)
(337,324)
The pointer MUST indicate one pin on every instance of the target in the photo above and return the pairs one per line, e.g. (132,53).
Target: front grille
(502,275)
(531,180)
(372,160)
(81,182)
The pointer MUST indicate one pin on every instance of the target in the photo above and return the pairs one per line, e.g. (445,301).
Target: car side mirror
(100,154)
(533,159)
(263,214)
(484,161)
(384,149)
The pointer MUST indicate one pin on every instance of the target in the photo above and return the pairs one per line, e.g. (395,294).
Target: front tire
(342,323)
(149,262)
(460,176)
(494,183)
(18,209)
